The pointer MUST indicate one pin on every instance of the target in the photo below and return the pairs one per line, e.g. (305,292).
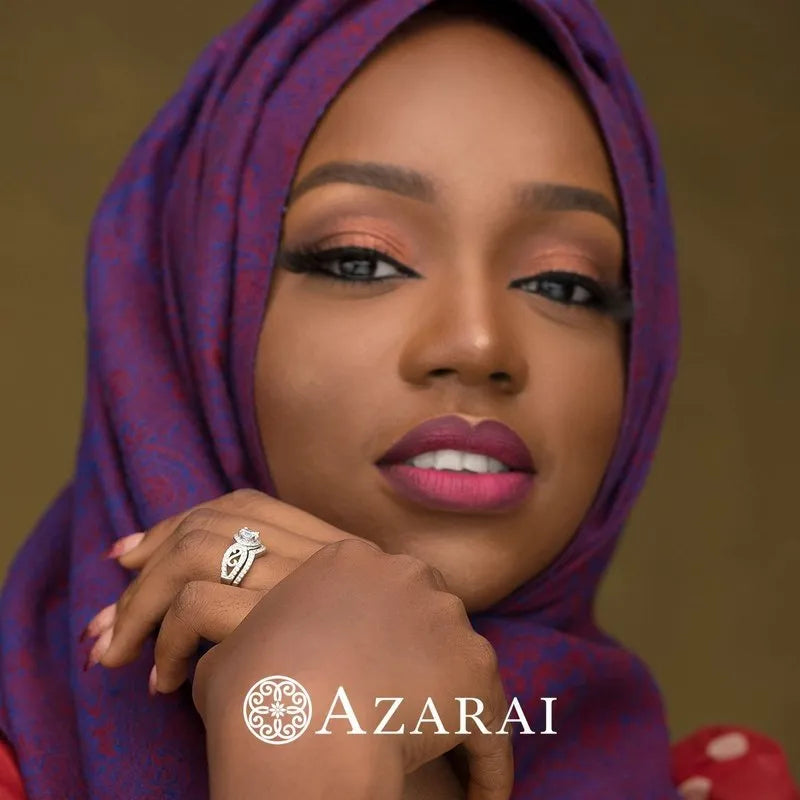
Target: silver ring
(239,557)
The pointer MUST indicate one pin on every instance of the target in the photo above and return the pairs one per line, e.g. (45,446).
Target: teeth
(458,461)
(425,461)
(449,459)
(475,463)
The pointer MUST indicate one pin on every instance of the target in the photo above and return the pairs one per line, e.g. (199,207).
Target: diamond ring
(239,557)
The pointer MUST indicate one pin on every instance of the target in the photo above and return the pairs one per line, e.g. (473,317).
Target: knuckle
(187,602)
(193,543)
(339,557)
(326,552)
(247,496)
(198,519)
(413,568)
(325,557)
(350,547)
(451,605)
(484,656)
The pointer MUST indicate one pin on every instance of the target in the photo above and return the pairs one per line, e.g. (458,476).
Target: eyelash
(603,297)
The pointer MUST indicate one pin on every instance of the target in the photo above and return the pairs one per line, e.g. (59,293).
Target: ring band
(239,557)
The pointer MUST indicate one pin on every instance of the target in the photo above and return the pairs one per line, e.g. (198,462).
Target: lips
(489,438)
(464,491)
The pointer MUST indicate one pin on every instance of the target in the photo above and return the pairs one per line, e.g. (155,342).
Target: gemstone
(248,537)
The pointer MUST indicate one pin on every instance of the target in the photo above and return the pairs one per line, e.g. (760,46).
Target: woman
(449,231)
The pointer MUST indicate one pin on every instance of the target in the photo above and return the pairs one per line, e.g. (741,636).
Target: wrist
(314,767)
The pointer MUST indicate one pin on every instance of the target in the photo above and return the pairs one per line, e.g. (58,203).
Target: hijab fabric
(178,267)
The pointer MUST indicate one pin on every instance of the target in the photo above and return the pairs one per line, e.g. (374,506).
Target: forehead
(467,102)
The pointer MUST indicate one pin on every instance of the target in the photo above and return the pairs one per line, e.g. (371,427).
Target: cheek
(576,395)
(583,406)
(316,386)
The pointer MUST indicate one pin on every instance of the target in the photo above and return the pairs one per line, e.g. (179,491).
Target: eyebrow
(536,196)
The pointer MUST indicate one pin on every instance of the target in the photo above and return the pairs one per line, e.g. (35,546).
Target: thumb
(490,756)
(491,766)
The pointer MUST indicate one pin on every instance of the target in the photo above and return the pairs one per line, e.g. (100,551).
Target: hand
(379,625)
(179,561)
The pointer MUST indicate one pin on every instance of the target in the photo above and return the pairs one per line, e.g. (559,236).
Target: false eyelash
(608,298)
(310,261)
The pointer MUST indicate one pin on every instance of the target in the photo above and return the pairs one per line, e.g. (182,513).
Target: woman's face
(450,318)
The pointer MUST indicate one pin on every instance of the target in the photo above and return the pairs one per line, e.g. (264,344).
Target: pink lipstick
(447,464)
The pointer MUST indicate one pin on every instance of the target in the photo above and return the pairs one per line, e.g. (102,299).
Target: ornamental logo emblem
(277,709)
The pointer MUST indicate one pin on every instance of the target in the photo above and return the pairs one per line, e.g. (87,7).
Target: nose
(465,334)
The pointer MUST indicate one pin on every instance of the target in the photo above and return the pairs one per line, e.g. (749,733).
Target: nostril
(498,377)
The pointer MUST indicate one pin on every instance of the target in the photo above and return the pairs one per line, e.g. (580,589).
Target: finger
(194,557)
(205,517)
(490,756)
(124,545)
(276,540)
(100,622)
(156,541)
(491,767)
(98,648)
(247,503)
(201,610)
(286,542)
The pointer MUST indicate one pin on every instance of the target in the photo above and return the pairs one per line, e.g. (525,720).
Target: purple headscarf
(179,262)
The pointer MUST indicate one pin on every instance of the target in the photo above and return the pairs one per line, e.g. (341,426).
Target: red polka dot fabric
(724,762)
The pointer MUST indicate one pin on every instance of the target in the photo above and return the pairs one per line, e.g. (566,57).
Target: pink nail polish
(124,545)
(152,681)
(100,622)
(99,649)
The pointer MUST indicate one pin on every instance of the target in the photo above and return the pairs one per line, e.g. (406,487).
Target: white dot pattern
(728,746)
(697,787)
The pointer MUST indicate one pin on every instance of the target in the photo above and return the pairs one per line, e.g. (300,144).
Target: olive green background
(705,585)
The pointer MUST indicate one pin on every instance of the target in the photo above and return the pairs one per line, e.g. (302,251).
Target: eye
(348,264)
(563,288)
(362,267)
(580,291)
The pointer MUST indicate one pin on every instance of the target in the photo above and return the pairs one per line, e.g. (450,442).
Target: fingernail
(153,680)
(100,647)
(124,545)
(100,622)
